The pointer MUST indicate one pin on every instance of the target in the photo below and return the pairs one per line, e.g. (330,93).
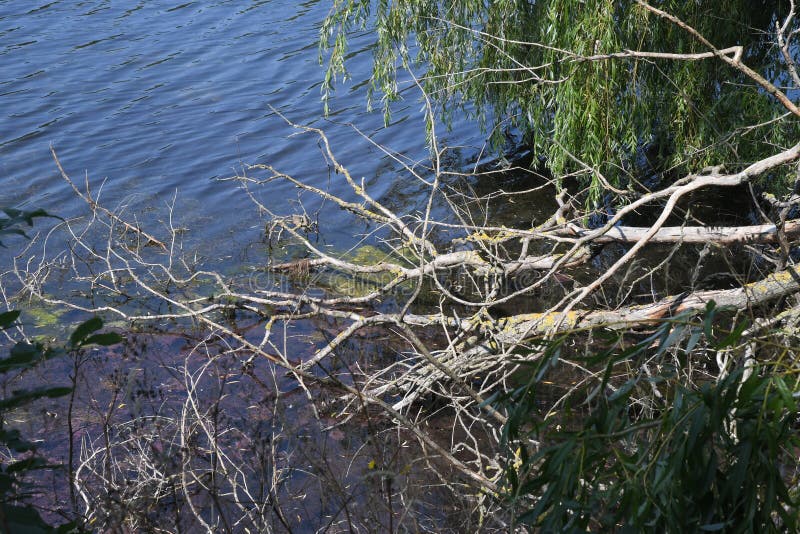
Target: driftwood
(516,330)
(442,262)
(780,284)
(724,235)
(448,262)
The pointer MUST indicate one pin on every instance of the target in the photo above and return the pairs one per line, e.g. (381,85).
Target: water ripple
(158,97)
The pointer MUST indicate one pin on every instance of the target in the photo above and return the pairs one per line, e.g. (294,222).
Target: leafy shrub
(704,455)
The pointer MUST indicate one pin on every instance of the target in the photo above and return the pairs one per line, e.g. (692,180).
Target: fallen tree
(469,299)
(760,233)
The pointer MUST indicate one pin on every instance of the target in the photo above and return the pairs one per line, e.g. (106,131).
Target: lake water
(157,97)
(157,100)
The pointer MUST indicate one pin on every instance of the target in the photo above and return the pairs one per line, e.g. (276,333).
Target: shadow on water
(171,430)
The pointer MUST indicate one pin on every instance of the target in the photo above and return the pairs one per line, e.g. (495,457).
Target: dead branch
(723,235)
(87,197)
(516,329)
(450,344)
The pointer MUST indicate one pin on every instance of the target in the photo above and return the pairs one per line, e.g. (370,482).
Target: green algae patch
(350,286)
(45,322)
(359,285)
(490,239)
(368,255)
(363,284)
(43,318)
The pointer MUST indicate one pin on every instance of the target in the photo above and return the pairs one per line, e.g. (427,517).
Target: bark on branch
(516,329)
(724,235)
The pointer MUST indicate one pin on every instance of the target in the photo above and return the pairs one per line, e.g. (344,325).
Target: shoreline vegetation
(584,341)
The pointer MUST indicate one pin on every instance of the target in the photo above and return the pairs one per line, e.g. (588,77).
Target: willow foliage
(518,63)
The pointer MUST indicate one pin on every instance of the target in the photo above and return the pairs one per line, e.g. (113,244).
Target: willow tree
(564,73)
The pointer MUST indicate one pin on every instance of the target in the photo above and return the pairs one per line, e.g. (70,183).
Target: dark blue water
(159,97)
(156,100)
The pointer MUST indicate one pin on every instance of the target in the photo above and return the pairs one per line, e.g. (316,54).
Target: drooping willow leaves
(520,63)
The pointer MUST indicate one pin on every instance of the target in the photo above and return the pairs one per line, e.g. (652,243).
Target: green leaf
(15,218)
(109,338)
(708,320)
(785,395)
(624,390)
(733,336)
(83,331)
(14,441)
(24,520)
(22,355)
(675,335)
(20,398)
(29,464)
(693,339)
(7,318)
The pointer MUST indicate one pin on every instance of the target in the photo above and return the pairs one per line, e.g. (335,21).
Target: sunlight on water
(156,98)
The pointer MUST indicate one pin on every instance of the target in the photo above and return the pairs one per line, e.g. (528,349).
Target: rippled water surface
(157,97)
(155,100)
